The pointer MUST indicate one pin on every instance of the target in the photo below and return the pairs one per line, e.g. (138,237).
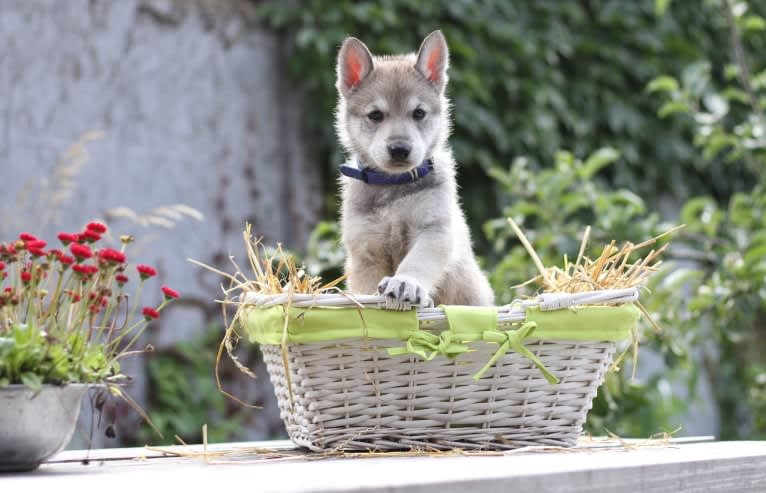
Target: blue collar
(372,177)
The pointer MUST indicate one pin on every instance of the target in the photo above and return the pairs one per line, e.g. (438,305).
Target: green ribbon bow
(514,339)
(428,346)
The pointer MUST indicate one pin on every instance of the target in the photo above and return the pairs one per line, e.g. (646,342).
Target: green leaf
(698,304)
(500,175)
(626,197)
(676,279)
(716,143)
(753,23)
(660,6)
(672,107)
(565,158)
(663,83)
(32,380)
(741,209)
(731,71)
(736,94)
(755,255)
(598,160)
(6,345)
(702,214)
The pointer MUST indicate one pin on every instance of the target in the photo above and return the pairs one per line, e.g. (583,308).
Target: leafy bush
(725,315)
(526,79)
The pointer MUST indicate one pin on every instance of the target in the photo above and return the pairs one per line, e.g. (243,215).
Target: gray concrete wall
(194,108)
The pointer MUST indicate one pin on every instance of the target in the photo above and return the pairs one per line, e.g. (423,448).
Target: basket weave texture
(351,394)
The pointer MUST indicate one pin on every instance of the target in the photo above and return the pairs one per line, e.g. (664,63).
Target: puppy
(401,222)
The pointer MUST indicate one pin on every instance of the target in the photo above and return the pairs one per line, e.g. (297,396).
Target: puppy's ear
(433,59)
(354,64)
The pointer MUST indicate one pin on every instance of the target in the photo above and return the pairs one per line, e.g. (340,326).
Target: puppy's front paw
(403,292)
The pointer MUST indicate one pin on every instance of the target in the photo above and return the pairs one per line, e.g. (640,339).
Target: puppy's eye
(418,114)
(375,116)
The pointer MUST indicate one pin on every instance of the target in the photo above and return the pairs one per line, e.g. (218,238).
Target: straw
(612,269)
(273,272)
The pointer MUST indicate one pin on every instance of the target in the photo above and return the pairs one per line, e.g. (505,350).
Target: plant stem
(138,332)
(55,300)
(105,321)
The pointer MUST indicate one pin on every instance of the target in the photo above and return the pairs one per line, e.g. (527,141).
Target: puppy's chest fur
(381,223)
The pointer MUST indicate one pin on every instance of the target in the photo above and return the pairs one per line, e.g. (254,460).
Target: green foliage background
(528,79)
(626,116)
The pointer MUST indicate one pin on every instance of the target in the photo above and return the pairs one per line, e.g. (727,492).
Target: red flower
(75,297)
(94,309)
(36,244)
(36,248)
(96,227)
(26,277)
(66,260)
(80,251)
(27,237)
(85,270)
(146,271)
(89,235)
(67,238)
(169,292)
(2,265)
(121,279)
(150,313)
(8,290)
(111,255)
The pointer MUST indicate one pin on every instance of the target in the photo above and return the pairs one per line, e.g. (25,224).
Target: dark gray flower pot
(36,425)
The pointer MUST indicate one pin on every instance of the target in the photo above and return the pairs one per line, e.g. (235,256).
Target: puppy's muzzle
(399,151)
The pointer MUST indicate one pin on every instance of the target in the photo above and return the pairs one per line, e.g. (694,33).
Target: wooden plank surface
(599,467)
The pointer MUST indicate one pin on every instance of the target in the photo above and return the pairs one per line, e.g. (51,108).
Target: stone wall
(194,109)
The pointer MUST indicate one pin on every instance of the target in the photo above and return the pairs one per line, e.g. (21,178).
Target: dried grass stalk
(612,269)
(273,272)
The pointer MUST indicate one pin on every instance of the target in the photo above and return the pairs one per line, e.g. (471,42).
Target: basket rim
(512,312)
(326,318)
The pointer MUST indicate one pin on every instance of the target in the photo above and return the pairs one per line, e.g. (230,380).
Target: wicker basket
(352,386)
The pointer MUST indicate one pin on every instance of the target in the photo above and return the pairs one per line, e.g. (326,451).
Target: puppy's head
(392,110)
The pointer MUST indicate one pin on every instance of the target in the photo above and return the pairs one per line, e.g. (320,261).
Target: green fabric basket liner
(466,324)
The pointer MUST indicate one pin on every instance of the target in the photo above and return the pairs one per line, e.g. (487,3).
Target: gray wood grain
(690,467)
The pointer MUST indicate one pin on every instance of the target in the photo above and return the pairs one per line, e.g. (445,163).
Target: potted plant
(66,321)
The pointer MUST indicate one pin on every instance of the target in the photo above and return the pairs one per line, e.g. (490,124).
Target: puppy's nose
(399,150)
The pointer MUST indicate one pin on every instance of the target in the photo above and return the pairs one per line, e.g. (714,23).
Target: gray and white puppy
(407,241)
